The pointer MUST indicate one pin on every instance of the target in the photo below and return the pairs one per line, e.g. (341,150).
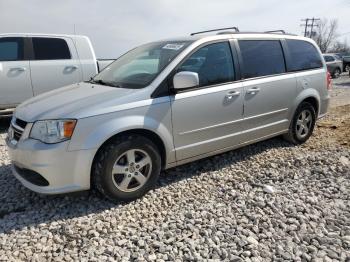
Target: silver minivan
(164,104)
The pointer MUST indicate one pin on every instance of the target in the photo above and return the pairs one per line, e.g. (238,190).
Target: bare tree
(340,47)
(326,33)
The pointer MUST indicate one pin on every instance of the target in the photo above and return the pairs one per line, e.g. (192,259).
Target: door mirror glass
(185,79)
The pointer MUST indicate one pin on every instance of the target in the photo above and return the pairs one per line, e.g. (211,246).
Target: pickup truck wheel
(126,168)
(302,124)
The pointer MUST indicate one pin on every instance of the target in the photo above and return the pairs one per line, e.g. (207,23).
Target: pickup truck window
(140,66)
(11,49)
(50,49)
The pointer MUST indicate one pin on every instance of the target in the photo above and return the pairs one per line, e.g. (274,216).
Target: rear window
(329,58)
(262,58)
(11,49)
(50,49)
(303,56)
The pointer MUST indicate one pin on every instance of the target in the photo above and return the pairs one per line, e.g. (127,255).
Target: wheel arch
(309,95)
(313,101)
(151,135)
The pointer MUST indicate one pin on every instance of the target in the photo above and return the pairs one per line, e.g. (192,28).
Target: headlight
(53,131)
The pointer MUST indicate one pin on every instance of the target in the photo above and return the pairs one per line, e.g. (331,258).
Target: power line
(309,22)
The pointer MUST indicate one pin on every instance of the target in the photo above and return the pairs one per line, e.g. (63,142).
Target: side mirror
(185,79)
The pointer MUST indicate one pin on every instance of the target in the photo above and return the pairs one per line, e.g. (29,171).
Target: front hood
(75,101)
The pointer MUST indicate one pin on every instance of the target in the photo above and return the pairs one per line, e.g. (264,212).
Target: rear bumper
(65,171)
(324,105)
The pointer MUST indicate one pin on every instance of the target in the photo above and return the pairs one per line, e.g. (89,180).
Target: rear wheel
(302,124)
(336,73)
(126,168)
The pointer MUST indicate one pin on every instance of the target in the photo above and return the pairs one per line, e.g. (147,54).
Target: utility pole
(307,25)
(313,25)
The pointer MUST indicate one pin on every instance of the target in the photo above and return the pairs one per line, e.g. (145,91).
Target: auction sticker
(173,46)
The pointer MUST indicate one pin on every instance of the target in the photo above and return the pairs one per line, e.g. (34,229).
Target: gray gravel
(269,201)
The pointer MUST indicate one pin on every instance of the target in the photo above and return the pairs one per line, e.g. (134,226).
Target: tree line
(327,37)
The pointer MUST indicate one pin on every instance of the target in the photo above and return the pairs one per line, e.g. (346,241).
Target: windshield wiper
(99,81)
(104,83)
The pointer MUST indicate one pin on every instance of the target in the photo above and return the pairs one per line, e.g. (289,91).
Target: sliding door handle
(253,90)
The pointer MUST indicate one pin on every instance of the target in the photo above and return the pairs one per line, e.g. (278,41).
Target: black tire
(103,179)
(336,73)
(293,134)
(347,68)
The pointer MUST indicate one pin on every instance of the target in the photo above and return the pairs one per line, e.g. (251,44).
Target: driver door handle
(231,94)
(19,69)
(72,67)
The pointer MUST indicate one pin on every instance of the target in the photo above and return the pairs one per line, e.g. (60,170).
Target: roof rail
(213,30)
(276,31)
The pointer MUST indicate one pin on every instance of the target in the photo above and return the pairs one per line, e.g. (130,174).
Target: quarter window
(50,49)
(213,63)
(303,56)
(11,49)
(262,58)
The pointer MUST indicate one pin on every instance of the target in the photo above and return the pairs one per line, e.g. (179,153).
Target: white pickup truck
(31,64)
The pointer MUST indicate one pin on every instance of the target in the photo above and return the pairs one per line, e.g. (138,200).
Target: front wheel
(126,168)
(302,124)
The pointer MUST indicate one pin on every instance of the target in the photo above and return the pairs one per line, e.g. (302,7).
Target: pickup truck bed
(31,64)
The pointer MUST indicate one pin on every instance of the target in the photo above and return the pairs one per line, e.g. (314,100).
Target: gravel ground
(268,201)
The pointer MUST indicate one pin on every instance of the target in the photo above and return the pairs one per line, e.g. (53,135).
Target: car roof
(238,35)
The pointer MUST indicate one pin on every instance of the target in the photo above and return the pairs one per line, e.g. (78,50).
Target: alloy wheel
(131,170)
(303,125)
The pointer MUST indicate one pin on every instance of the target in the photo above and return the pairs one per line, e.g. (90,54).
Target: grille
(18,127)
(21,123)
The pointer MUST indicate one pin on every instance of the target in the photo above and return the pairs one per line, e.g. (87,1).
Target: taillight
(329,81)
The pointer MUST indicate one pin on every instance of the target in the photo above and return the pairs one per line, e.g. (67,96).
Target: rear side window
(303,56)
(213,63)
(11,49)
(262,58)
(50,49)
(329,58)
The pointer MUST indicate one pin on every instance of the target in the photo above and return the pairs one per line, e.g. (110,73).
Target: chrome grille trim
(18,131)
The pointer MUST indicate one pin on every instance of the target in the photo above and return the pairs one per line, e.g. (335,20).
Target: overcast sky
(117,26)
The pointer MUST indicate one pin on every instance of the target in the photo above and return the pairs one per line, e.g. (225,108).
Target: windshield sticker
(173,46)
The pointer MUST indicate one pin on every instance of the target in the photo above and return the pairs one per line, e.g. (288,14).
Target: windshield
(140,66)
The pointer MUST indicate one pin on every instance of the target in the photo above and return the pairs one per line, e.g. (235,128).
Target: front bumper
(66,171)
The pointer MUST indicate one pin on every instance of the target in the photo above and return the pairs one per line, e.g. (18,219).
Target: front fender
(92,132)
